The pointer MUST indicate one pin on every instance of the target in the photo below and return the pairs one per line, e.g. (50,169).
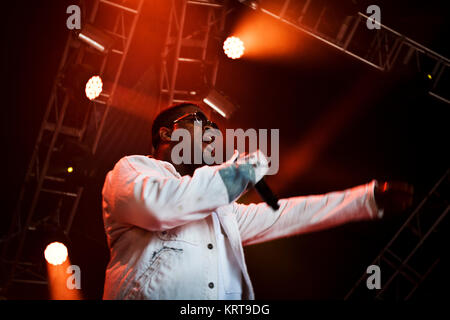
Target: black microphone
(267,194)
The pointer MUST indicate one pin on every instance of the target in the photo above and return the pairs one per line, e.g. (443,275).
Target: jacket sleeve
(140,193)
(259,223)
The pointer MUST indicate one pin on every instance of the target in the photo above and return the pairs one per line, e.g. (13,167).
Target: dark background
(385,127)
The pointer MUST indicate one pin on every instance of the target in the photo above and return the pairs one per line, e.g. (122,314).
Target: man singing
(175,231)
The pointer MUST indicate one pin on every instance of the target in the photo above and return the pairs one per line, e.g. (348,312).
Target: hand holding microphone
(261,166)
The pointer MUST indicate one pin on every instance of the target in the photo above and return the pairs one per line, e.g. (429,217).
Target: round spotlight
(70,169)
(55,253)
(233,47)
(94,87)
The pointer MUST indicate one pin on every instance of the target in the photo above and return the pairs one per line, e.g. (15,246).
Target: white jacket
(160,230)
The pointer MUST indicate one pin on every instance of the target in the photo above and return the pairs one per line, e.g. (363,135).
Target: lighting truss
(405,261)
(184,49)
(41,190)
(381,48)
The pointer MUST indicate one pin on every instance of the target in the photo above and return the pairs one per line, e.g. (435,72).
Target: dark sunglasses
(197,117)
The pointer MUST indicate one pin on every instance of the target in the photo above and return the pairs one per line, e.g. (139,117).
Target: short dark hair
(166,117)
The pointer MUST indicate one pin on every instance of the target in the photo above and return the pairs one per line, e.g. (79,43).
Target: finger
(234,156)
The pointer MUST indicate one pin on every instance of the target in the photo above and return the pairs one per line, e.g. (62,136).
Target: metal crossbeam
(382,48)
(54,131)
(179,41)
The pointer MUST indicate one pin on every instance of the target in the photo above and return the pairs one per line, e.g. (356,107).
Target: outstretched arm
(259,223)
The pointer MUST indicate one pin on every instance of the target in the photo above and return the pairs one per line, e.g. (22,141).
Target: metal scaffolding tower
(406,261)
(46,195)
(381,48)
(191,49)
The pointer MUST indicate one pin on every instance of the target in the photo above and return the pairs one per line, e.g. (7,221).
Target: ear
(165,134)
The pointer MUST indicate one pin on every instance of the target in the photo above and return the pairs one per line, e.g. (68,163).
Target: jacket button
(211,285)
(210,246)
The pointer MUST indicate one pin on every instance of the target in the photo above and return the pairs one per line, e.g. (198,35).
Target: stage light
(250,3)
(94,87)
(219,103)
(233,47)
(83,82)
(56,253)
(96,38)
(429,76)
(73,163)
(56,246)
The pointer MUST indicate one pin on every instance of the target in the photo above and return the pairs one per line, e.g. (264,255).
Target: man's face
(189,121)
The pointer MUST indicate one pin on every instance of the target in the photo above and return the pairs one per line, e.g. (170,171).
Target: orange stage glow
(265,37)
(233,47)
(94,87)
(322,133)
(57,282)
(302,156)
(58,271)
(136,102)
